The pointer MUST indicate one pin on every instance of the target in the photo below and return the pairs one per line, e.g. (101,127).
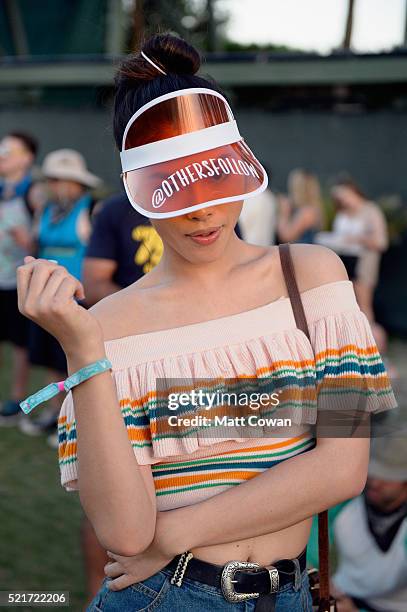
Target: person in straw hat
(371,535)
(62,235)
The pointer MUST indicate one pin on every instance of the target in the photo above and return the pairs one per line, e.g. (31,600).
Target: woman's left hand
(125,571)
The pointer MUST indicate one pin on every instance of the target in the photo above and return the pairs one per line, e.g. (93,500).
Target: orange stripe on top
(370,350)
(285,363)
(68,449)
(259,448)
(269,446)
(163,483)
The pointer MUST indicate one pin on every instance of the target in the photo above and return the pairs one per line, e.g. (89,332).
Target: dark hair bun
(172,54)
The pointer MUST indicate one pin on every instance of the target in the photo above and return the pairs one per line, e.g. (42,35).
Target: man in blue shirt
(123,246)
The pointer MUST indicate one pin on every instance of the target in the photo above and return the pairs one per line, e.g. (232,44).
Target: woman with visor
(197,516)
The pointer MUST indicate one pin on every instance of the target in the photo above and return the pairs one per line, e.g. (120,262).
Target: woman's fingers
(52,284)
(80,291)
(38,281)
(41,271)
(68,288)
(46,295)
(23,280)
(122,582)
(51,289)
(112,570)
(24,274)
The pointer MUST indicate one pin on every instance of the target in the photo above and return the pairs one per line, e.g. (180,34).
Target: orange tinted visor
(183,151)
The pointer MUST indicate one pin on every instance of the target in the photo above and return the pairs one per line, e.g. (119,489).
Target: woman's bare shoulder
(316,265)
(122,313)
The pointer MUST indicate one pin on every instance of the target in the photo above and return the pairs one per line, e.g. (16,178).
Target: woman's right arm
(115,492)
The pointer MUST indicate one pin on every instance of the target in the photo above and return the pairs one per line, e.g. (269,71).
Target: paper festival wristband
(65,385)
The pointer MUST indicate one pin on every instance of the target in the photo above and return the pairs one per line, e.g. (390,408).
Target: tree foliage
(198,21)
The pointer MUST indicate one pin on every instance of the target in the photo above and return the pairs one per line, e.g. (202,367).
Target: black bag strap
(292,288)
(301,322)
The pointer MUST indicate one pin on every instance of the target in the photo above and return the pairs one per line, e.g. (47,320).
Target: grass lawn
(39,521)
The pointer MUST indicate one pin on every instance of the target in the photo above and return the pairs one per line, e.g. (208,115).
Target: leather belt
(239,580)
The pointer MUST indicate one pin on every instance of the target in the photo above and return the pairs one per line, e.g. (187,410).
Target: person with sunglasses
(18,151)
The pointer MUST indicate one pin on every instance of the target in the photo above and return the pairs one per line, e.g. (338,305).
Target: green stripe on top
(227,458)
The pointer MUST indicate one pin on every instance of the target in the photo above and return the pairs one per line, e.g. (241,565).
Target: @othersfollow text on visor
(197,171)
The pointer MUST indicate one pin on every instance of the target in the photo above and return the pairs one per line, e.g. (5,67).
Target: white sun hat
(67,164)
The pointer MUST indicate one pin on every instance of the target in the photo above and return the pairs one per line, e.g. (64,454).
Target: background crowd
(50,211)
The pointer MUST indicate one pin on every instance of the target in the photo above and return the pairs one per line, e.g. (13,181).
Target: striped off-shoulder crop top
(340,365)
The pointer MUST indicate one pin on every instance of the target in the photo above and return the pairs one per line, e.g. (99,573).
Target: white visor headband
(182,145)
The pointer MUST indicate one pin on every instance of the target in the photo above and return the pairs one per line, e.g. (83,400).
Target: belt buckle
(227,580)
(274,578)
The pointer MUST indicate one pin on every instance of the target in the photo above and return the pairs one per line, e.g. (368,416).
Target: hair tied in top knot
(150,61)
(174,54)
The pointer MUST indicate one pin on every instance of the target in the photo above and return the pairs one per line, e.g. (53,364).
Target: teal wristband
(65,385)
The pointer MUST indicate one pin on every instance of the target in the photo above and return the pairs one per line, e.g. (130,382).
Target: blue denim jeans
(157,593)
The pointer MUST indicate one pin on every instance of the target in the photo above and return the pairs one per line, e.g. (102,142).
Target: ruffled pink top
(260,350)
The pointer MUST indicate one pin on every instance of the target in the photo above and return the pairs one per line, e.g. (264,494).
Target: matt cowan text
(225,421)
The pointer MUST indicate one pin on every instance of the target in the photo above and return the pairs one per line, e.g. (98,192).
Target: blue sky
(316,24)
